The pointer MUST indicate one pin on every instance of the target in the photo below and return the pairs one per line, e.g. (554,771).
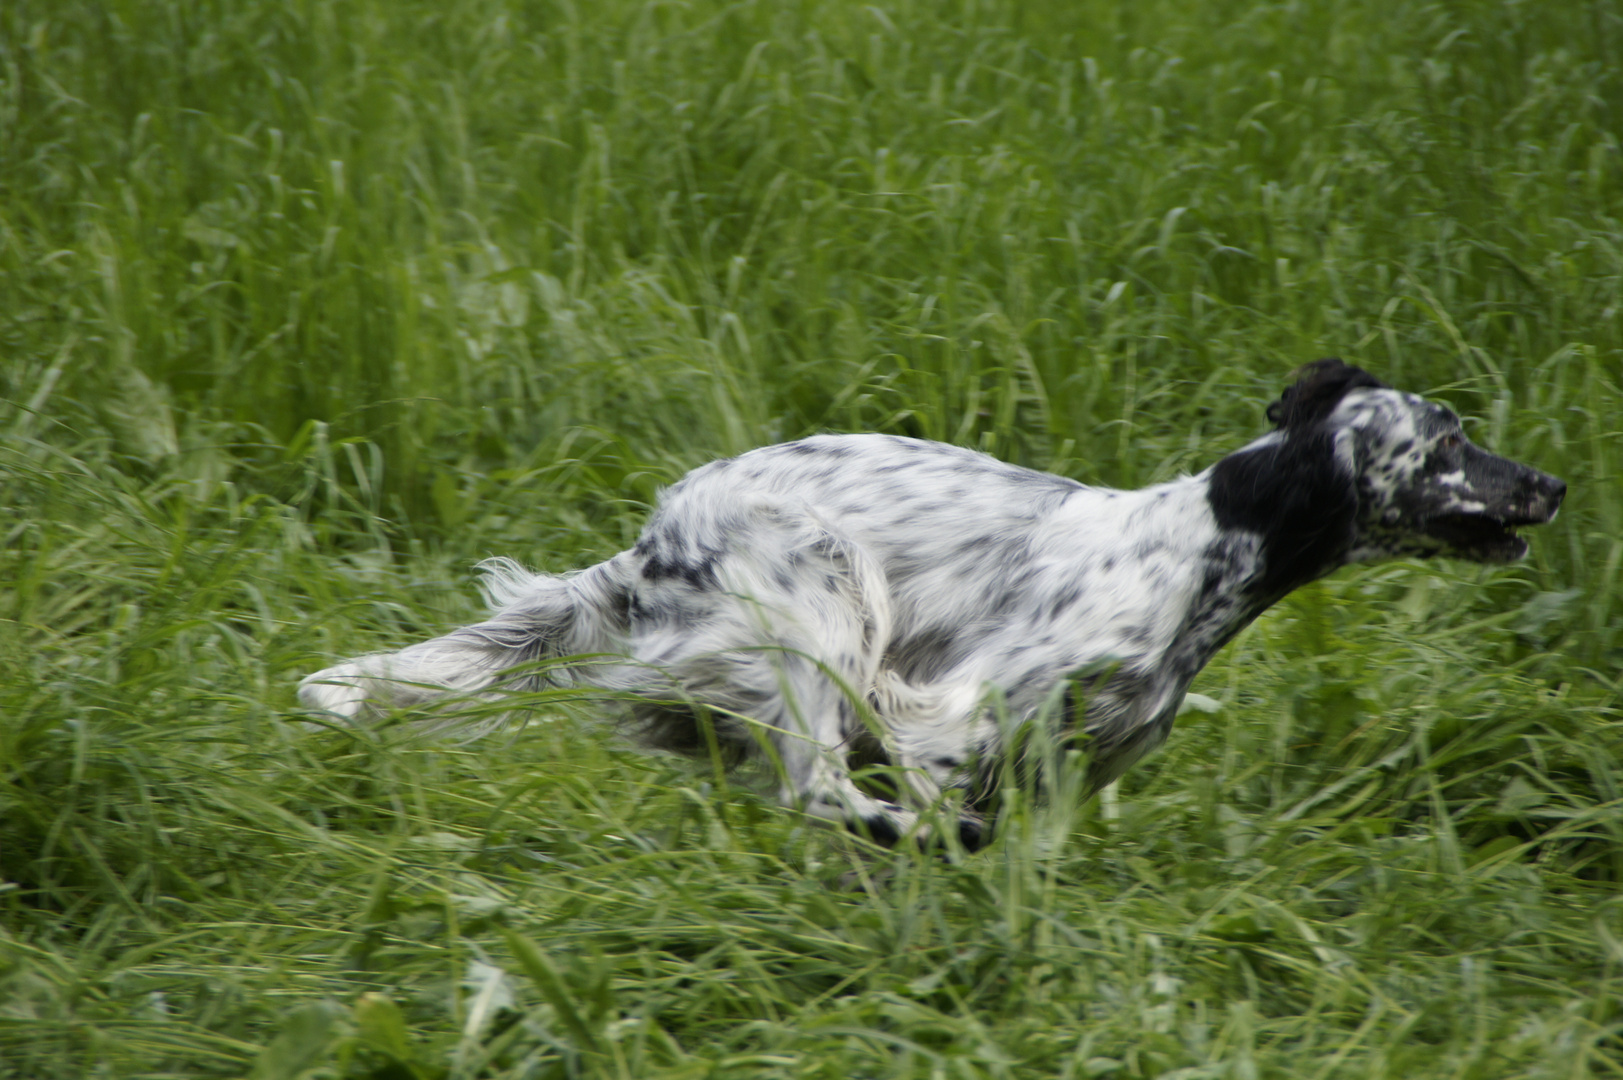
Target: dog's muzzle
(1503,496)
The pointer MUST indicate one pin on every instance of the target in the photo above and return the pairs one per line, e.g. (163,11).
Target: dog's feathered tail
(550,615)
(536,618)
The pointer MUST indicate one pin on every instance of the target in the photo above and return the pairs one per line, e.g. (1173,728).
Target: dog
(871,599)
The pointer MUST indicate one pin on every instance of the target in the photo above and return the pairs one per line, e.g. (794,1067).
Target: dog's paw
(887,827)
(974,832)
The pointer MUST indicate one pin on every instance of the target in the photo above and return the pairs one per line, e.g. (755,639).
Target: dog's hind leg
(811,724)
(780,636)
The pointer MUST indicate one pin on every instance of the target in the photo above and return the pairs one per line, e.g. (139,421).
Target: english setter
(851,599)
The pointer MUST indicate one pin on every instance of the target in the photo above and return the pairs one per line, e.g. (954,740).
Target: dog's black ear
(1294,492)
(1318,389)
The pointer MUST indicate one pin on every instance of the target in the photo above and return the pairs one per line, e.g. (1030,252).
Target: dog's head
(1423,487)
(1356,471)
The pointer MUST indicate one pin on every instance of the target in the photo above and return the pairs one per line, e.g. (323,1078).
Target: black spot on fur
(974,544)
(926,655)
(660,563)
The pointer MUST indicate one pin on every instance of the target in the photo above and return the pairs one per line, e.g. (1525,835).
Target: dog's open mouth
(1482,537)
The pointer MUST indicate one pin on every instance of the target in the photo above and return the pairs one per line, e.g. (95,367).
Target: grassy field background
(307,305)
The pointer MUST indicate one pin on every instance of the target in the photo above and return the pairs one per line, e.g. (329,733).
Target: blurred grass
(306,306)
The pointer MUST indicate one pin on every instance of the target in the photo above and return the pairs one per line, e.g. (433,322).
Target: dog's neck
(1282,514)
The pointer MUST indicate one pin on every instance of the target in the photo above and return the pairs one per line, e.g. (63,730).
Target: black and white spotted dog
(855,598)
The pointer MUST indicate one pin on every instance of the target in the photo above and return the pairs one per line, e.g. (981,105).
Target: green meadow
(308,305)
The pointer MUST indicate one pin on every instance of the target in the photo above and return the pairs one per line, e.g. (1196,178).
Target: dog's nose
(1545,495)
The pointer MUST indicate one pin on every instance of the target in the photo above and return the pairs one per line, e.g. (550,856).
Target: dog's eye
(1449,442)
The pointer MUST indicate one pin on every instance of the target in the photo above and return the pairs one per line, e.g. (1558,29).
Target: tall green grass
(306,305)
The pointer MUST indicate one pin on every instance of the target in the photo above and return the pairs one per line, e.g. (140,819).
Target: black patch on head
(1318,389)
